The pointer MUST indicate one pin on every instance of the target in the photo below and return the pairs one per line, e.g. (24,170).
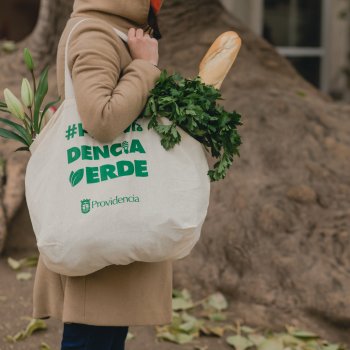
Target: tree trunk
(276,239)
(43,45)
(42,42)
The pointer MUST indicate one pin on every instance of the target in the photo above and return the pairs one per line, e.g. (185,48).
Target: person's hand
(143,46)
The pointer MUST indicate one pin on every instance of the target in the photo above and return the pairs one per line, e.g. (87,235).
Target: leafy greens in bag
(193,106)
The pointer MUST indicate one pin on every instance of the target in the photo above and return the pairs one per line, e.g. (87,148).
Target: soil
(16,304)
(16,308)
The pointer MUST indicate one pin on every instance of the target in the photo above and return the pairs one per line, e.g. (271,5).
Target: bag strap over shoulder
(68,83)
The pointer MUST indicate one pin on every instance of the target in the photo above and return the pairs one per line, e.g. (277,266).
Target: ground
(16,304)
(16,307)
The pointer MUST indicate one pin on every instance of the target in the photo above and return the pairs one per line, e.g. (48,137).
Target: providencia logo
(86,205)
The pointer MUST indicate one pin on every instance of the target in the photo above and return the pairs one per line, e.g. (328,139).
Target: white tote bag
(94,205)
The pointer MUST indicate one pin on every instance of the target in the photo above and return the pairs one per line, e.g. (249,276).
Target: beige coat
(111,90)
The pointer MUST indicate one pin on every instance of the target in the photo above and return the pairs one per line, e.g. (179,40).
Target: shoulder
(92,36)
(90,27)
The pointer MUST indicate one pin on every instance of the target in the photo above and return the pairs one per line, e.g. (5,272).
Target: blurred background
(313,34)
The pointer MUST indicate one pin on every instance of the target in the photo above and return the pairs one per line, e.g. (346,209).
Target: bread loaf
(219,59)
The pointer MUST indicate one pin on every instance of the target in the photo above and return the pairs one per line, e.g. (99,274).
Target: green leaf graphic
(76,177)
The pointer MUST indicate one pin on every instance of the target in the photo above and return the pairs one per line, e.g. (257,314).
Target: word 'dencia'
(107,151)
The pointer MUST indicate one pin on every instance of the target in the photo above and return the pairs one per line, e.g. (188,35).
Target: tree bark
(42,43)
(276,239)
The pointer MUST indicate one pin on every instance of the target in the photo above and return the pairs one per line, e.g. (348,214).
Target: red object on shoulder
(156,4)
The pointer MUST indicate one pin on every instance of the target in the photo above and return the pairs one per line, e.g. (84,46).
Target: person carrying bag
(128,199)
(111,209)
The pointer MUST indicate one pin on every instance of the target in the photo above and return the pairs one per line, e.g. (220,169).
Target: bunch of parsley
(192,105)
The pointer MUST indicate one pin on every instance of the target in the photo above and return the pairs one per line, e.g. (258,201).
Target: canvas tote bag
(96,204)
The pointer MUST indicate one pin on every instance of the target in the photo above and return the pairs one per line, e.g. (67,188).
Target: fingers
(131,33)
(139,33)
(142,46)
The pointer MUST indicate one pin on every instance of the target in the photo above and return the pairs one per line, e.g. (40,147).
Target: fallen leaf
(166,336)
(257,339)
(216,330)
(14,264)
(217,301)
(331,347)
(183,338)
(179,338)
(288,339)
(31,261)
(230,327)
(271,344)
(186,294)
(8,46)
(33,326)
(200,347)
(182,304)
(188,327)
(304,334)
(205,330)
(217,316)
(246,329)
(239,342)
(23,276)
(44,346)
(130,336)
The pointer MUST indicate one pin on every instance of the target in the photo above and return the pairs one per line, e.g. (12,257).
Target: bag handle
(68,83)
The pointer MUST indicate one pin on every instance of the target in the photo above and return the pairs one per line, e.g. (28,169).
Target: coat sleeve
(108,97)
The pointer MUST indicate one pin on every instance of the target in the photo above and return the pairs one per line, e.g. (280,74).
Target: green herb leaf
(39,97)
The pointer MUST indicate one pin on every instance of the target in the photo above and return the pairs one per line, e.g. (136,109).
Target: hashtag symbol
(71,131)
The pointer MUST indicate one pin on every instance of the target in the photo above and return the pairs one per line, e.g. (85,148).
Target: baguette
(219,59)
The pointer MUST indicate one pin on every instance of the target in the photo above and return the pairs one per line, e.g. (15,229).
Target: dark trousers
(77,336)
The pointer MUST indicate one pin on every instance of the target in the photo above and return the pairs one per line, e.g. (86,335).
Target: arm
(107,103)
